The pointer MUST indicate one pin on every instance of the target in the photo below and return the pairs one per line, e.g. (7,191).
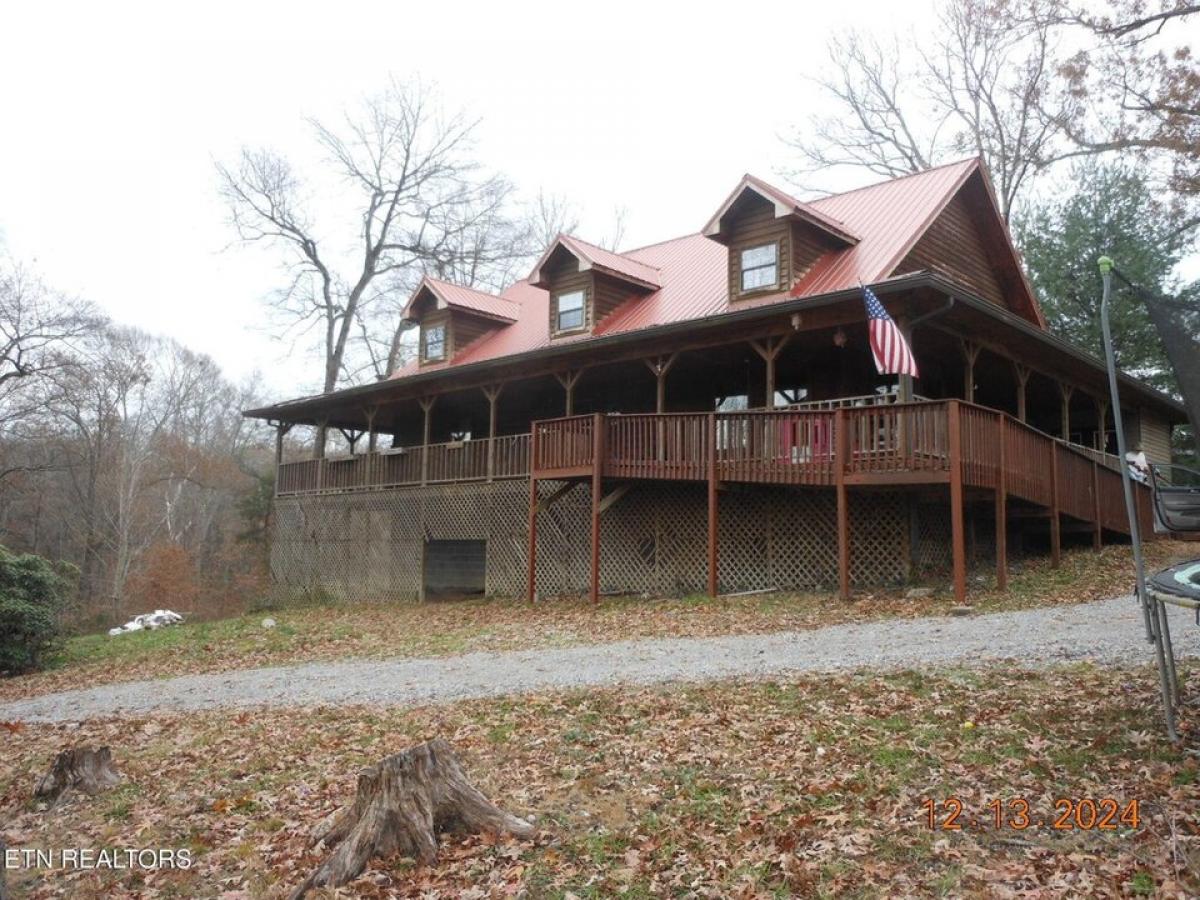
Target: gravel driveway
(1108,631)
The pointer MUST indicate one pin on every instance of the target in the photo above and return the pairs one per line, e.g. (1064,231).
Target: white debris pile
(160,618)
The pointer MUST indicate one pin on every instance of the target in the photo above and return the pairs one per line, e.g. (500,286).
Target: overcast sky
(113,115)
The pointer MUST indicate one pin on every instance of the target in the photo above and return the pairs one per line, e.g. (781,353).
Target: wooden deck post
(1065,391)
(970,354)
(1097,530)
(713,522)
(1055,520)
(492,392)
(531,577)
(958,547)
(568,380)
(598,427)
(841,439)
(1023,373)
(1002,508)
(427,408)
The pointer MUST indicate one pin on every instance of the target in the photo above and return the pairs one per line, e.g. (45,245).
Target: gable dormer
(587,283)
(773,238)
(452,317)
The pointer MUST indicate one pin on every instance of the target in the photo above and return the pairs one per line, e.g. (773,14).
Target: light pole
(1153,618)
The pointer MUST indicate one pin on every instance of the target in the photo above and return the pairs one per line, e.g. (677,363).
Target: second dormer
(587,284)
(773,238)
(452,317)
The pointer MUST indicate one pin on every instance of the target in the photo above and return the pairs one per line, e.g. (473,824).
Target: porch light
(839,338)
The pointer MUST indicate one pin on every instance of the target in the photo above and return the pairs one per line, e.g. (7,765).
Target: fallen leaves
(717,790)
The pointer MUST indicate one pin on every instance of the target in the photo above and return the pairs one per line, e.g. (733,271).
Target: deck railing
(886,443)
(453,461)
(881,443)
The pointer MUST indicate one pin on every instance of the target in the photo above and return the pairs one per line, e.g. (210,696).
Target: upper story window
(570,311)
(434,343)
(760,267)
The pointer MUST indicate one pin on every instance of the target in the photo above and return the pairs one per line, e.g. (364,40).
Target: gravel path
(1109,631)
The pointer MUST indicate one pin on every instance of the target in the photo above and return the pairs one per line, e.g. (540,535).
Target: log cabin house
(703,415)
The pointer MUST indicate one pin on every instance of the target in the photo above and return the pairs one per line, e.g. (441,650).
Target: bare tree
(981,87)
(1137,91)
(423,200)
(37,330)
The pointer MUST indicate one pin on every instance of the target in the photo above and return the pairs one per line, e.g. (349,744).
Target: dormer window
(570,311)
(433,343)
(760,267)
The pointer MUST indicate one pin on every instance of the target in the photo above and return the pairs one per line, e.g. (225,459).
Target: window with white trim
(434,343)
(569,313)
(760,267)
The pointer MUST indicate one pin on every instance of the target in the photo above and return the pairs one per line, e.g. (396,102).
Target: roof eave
(784,307)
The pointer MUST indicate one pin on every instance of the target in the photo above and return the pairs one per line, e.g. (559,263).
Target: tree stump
(77,768)
(403,802)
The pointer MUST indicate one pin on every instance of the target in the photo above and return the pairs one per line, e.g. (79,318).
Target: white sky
(113,115)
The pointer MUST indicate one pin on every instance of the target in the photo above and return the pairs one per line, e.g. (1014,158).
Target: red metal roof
(887,219)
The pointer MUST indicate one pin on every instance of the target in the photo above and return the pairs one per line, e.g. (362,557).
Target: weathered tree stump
(403,802)
(77,768)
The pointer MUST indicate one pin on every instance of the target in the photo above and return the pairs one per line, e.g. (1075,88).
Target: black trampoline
(1177,511)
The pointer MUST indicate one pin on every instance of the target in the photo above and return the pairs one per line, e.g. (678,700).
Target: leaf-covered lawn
(811,786)
(439,629)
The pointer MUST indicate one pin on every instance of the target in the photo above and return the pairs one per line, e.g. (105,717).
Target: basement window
(434,343)
(570,311)
(760,267)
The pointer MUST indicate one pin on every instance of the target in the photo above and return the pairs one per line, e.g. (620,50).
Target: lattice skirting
(653,540)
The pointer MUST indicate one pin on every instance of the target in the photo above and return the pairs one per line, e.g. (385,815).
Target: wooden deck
(964,446)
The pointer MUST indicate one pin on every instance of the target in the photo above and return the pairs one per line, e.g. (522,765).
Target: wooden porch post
(598,427)
(970,354)
(1097,531)
(958,547)
(492,392)
(370,412)
(1065,391)
(1055,523)
(531,576)
(1023,373)
(713,580)
(281,431)
(322,434)
(319,452)
(660,366)
(841,447)
(769,350)
(1102,423)
(1002,509)
(568,379)
(905,384)
(427,408)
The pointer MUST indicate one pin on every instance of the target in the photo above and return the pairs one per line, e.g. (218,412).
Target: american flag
(891,351)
